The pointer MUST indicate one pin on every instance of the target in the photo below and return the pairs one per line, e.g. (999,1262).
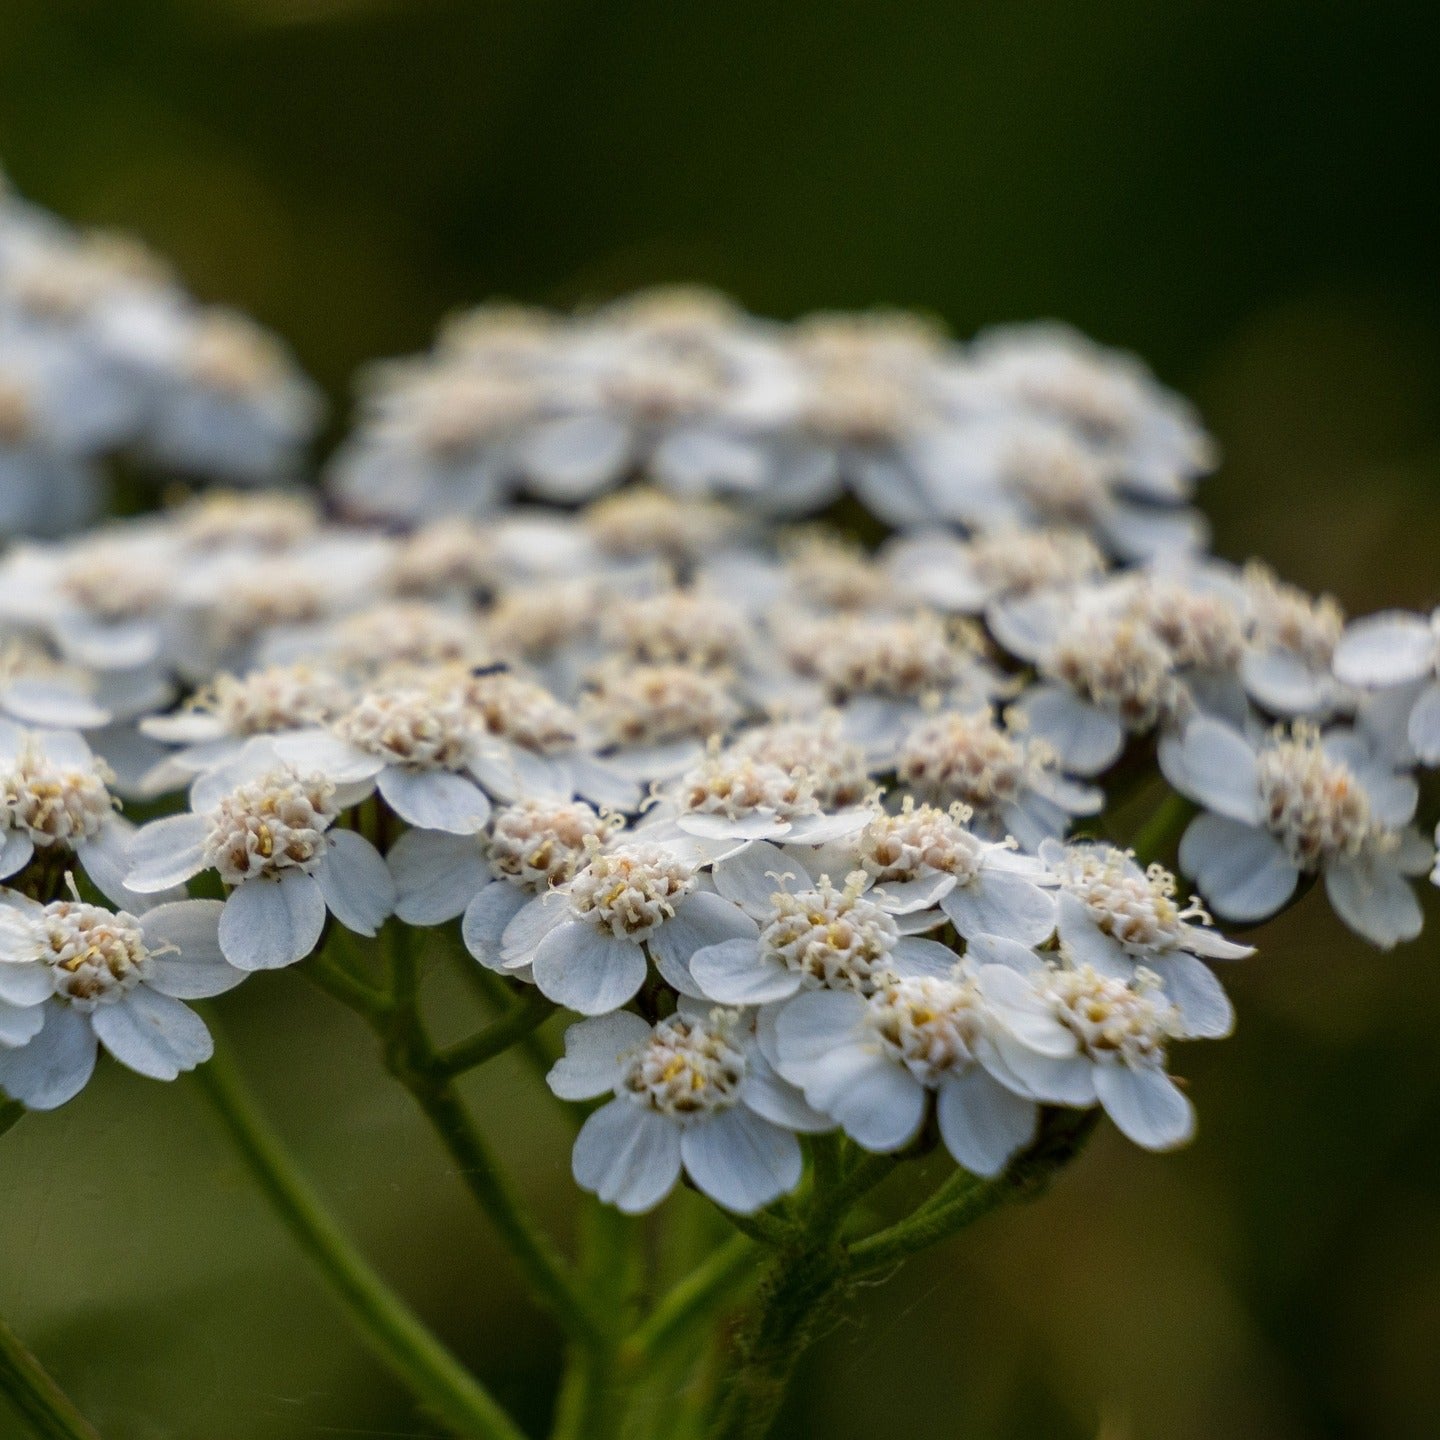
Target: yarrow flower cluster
(809,837)
(103,352)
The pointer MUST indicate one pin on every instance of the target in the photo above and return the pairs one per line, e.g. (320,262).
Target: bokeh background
(1245,192)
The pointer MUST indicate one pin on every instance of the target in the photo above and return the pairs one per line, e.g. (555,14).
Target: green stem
(691,1300)
(963,1199)
(389,1327)
(799,1294)
(338,982)
(36,1398)
(522,1018)
(1160,833)
(593,1394)
(11,1113)
(412,1059)
(544,1268)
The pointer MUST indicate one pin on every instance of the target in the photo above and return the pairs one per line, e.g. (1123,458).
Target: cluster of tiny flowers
(804,833)
(103,352)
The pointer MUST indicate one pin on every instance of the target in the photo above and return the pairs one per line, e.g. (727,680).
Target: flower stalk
(393,1332)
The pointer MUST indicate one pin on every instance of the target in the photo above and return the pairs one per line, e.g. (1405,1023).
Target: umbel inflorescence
(812,841)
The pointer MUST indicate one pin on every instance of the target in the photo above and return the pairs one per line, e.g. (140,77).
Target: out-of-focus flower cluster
(103,354)
(1030,426)
(810,837)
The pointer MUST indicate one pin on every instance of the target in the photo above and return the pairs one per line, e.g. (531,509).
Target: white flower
(810,935)
(214,726)
(528,743)
(1009,781)
(1078,1037)
(1398,652)
(1291,646)
(871,1064)
(1105,673)
(266,829)
(409,743)
(691,1093)
(235,406)
(586,942)
(879,671)
(651,722)
(965,576)
(111,977)
(836,770)
(1116,917)
(924,856)
(54,794)
(1298,802)
(532,846)
(731,797)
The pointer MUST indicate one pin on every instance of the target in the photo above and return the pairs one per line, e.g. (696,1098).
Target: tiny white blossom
(692,1093)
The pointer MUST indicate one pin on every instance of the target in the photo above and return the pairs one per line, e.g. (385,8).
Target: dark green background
(1244,192)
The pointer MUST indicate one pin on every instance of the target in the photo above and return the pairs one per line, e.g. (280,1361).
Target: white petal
(488,915)
(1145,1106)
(1088,740)
(628,1155)
(1215,766)
(436,875)
(106,858)
(595,1054)
(21,1020)
(1243,872)
(356,883)
(1285,684)
(997,902)
(508,772)
(435,799)
(998,950)
(1424,727)
(1373,899)
(1386,649)
(1192,988)
(602,787)
(878,1103)
(55,1065)
(269,923)
(312,751)
(740,1160)
(166,852)
(736,973)
(588,969)
(1052,1079)
(1085,943)
(40,702)
(751,877)
(811,1027)
(194,969)
(702,919)
(914,957)
(16,848)
(767,1093)
(909,897)
(532,923)
(153,1034)
(981,1122)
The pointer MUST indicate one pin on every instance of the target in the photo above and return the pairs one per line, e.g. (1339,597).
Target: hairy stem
(691,1301)
(389,1327)
(963,1199)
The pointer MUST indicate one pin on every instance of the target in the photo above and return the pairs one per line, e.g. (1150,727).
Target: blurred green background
(1243,191)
